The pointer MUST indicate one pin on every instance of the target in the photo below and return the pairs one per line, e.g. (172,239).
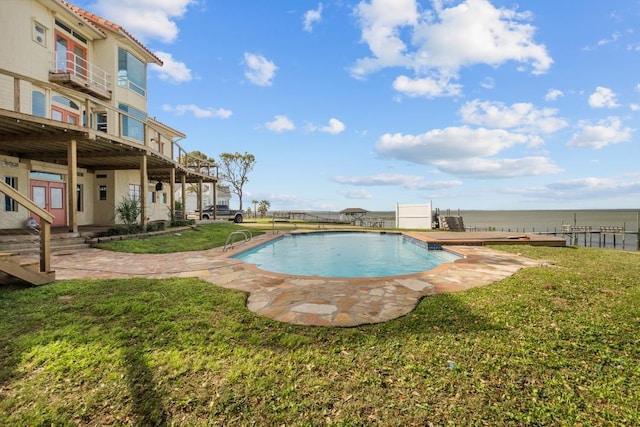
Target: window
(45,175)
(79,198)
(64,114)
(10,205)
(152,197)
(103,192)
(39,34)
(164,198)
(71,51)
(133,123)
(38,107)
(134,191)
(132,72)
(101,121)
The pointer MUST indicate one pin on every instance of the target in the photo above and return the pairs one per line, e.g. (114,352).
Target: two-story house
(75,137)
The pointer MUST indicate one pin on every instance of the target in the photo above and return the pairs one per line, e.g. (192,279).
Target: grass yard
(548,346)
(201,238)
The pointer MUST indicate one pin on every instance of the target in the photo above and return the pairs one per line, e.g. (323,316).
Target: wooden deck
(480,238)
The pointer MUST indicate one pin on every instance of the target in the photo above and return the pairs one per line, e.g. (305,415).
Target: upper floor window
(132,72)
(65,114)
(38,104)
(133,123)
(71,51)
(39,34)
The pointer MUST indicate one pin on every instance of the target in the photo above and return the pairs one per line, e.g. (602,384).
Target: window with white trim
(39,34)
(133,122)
(132,72)
(134,191)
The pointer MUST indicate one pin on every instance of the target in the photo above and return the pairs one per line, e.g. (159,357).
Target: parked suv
(222,212)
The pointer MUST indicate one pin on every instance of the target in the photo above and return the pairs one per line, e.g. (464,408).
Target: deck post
(72,183)
(144,189)
(45,246)
(172,193)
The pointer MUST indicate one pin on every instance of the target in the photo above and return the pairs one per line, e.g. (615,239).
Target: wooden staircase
(12,270)
(36,273)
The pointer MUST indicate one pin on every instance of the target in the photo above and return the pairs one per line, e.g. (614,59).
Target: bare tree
(234,168)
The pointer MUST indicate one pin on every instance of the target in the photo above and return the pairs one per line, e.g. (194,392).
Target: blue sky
(472,104)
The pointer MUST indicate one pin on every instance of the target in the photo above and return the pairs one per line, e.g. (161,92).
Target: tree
(255,207)
(234,170)
(199,161)
(264,207)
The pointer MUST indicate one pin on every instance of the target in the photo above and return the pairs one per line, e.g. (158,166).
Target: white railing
(69,62)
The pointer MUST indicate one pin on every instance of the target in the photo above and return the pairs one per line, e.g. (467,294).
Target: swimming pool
(345,254)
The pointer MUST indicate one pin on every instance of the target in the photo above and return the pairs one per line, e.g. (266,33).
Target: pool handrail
(246,234)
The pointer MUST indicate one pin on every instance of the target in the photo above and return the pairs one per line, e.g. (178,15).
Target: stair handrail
(46,219)
(247,235)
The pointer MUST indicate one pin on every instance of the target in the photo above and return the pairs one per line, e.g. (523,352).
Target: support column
(172,193)
(200,197)
(215,199)
(16,94)
(183,182)
(144,189)
(72,184)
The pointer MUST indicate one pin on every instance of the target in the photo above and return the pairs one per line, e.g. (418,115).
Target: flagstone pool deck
(304,300)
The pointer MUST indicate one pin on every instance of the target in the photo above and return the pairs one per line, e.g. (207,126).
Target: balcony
(75,72)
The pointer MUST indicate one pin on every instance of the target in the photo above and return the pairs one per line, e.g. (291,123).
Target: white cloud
(199,113)
(605,132)
(146,19)
(171,70)
(359,194)
(334,127)
(260,71)
(553,94)
(520,116)
(427,87)
(591,188)
(280,124)
(311,17)
(438,43)
(488,83)
(453,143)
(603,98)
(499,168)
(634,106)
(412,182)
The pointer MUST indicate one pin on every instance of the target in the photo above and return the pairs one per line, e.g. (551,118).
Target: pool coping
(346,302)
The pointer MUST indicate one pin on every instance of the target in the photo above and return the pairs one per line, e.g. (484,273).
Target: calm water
(344,255)
(537,220)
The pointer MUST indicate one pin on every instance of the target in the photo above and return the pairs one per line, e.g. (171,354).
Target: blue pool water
(345,254)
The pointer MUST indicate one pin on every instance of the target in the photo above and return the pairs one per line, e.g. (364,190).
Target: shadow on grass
(147,403)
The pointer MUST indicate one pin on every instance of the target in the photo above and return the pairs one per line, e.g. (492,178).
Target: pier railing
(615,237)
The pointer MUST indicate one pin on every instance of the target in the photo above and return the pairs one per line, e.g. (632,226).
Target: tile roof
(99,21)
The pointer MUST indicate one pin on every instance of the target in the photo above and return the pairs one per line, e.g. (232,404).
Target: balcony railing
(80,71)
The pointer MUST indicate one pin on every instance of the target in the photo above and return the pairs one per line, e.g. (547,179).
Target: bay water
(540,221)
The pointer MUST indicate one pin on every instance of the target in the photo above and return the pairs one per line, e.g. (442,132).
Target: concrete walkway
(301,300)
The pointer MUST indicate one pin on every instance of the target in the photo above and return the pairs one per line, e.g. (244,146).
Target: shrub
(128,210)
(155,226)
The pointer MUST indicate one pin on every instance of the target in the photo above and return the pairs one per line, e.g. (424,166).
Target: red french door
(50,196)
(62,115)
(71,57)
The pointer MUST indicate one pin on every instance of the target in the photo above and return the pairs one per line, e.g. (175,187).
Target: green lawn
(548,346)
(200,238)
